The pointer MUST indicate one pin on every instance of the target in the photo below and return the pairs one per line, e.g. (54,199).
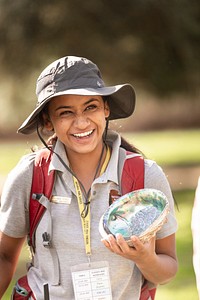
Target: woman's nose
(81,121)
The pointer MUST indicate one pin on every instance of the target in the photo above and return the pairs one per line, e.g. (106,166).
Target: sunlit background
(155,46)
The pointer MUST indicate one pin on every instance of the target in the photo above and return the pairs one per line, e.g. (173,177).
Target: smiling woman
(85,162)
(78,121)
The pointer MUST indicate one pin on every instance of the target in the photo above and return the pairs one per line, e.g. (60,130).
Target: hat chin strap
(42,140)
(106,131)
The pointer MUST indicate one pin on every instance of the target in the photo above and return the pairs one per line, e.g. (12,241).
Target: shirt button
(94,193)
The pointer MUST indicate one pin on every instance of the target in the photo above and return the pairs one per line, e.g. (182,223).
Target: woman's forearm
(6,272)
(159,269)
(9,253)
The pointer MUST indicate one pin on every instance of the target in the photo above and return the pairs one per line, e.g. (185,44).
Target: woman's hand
(155,259)
(139,252)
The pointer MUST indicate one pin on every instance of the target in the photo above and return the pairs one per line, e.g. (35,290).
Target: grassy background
(168,148)
(178,147)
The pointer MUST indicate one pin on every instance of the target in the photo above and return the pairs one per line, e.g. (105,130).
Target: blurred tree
(154,41)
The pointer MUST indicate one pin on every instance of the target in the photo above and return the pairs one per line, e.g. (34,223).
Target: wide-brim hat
(73,75)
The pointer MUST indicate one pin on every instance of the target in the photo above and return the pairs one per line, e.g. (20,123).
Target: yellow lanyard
(86,221)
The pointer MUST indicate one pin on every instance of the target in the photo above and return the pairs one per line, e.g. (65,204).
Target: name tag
(92,281)
(60,200)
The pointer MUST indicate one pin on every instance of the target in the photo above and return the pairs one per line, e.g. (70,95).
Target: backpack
(132,178)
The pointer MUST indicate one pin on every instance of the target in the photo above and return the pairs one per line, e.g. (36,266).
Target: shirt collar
(112,172)
(55,163)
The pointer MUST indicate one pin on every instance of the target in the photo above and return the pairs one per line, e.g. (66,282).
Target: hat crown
(68,73)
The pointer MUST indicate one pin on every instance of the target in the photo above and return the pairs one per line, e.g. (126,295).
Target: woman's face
(78,121)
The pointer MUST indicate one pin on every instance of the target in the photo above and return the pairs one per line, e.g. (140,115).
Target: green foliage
(150,41)
(172,147)
(11,152)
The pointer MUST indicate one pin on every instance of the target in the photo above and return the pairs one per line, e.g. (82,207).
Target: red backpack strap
(22,290)
(132,174)
(42,183)
(147,293)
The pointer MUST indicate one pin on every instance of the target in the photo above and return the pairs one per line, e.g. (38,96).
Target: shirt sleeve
(156,179)
(14,219)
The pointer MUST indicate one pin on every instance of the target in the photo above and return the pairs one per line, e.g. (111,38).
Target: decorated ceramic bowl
(141,213)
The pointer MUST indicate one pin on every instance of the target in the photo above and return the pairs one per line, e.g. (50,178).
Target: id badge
(92,281)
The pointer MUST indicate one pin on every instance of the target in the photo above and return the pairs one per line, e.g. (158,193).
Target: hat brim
(121,100)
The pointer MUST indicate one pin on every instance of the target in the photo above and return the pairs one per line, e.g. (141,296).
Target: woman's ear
(106,109)
(47,122)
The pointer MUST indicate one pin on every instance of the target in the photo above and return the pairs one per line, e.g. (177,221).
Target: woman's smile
(83,134)
(78,121)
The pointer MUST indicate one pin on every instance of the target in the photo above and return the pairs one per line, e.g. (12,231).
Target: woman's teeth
(83,134)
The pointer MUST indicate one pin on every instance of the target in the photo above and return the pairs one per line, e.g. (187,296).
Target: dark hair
(129,147)
(40,116)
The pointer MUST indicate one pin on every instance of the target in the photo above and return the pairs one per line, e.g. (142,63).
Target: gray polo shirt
(63,221)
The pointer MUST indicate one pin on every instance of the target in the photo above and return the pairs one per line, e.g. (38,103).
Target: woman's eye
(66,113)
(91,107)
